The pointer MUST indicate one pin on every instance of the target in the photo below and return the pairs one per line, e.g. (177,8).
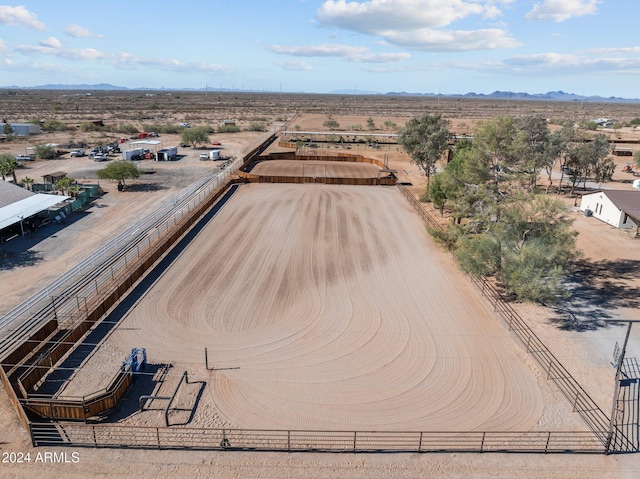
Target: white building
(620,209)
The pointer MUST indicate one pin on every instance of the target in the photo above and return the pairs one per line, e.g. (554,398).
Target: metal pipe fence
(88,435)
(61,298)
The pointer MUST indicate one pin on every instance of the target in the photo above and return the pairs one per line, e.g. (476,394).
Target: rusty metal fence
(87,435)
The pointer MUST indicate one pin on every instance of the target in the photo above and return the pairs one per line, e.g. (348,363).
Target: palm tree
(8,166)
(27,182)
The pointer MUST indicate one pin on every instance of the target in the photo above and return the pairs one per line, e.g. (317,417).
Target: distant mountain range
(496,95)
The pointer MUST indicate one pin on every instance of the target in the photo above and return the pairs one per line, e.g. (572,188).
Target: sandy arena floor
(313,326)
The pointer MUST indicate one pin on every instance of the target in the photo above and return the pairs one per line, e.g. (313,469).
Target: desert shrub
(45,152)
(54,125)
(125,128)
(257,126)
(88,126)
(228,129)
(162,129)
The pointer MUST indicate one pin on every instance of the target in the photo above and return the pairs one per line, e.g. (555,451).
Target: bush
(228,129)
(88,126)
(257,126)
(125,128)
(54,125)
(45,152)
(162,129)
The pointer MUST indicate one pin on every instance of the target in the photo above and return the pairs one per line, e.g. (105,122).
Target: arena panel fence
(88,435)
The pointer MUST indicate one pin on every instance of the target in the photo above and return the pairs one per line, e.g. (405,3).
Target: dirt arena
(320,169)
(313,326)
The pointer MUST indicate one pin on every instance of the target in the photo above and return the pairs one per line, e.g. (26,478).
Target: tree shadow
(597,289)
(144,187)
(10,259)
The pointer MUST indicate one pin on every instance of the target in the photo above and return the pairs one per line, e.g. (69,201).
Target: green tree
(371,124)
(425,139)
(64,184)
(531,146)
(495,140)
(331,124)
(27,182)
(636,158)
(45,152)
(8,166)
(7,129)
(527,243)
(120,170)
(556,150)
(194,136)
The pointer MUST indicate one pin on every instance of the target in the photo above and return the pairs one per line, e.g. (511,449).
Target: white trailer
(215,155)
(132,155)
(167,154)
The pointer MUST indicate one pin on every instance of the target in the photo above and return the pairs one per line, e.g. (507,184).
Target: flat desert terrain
(343,331)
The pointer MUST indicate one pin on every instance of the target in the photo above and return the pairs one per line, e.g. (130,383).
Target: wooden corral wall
(338,157)
(27,346)
(319,179)
(81,408)
(347,157)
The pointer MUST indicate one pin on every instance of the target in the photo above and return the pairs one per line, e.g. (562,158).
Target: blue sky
(587,47)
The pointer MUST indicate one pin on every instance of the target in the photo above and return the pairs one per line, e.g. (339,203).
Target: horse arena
(314,307)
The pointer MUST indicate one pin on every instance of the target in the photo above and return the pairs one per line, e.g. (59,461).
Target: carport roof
(16,212)
(10,193)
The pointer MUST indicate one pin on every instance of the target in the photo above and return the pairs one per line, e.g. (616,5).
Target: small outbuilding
(53,178)
(620,209)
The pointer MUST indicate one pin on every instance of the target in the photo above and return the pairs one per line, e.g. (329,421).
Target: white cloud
(376,16)
(351,53)
(19,16)
(78,31)
(51,42)
(418,24)
(544,63)
(121,60)
(3,47)
(561,10)
(608,51)
(448,41)
(68,53)
(295,65)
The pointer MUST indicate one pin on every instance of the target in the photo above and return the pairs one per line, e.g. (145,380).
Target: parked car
(75,153)
(100,157)
(25,158)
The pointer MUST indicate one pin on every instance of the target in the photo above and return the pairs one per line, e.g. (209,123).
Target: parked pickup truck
(25,158)
(75,153)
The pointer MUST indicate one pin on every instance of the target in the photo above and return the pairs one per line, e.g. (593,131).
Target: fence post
(546,446)
(420,442)
(484,434)
(355,433)
(95,441)
(288,441)
(158,437)
(575,402)
(206,359)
